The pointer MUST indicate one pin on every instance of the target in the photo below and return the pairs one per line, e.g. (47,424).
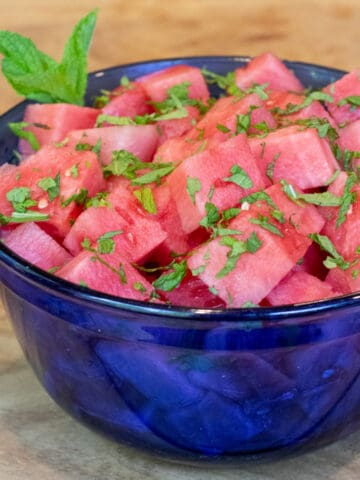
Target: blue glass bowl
(191,385)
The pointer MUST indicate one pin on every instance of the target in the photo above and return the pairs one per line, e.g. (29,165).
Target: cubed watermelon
(211,173)
(157,84)
(299,287)
(37,247)
(140,140)
(77,174)
(51,122)
(120,279)
(269,69)
(128,101)
(295,154)
(341,108)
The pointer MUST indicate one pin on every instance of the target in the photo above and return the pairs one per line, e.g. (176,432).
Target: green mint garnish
(169,281)
(193,186)
(236,249)
(146,198)
(20,198)
(19,129)
(38,77)
(348,197)
(51,186)
(335,259)
(264,222)
(239,177)
(23,217)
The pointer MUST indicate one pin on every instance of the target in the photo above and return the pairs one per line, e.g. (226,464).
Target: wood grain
(38,440)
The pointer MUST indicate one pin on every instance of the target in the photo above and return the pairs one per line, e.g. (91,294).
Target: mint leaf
(38,77)
(51,186)
(168,281)
(335,259)
(264,222)
(105,243)
(23,217)
(239,177)
(18,129)
(20,198)
(193,186)
(348,197)
(146,198)
(212,215)
(237,248)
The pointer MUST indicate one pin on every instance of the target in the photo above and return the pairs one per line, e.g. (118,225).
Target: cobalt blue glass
(191,385)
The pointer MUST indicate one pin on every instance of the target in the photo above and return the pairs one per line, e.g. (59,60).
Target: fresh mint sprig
(36,76)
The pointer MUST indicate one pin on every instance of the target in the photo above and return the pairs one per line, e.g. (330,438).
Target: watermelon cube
(255,273)
(297,155)
(177,126)
(140,140)
(51,122)
(345,281)
(269,69)
(211,171)
(341,109)
(30,242)
(157,84)
(344,236)
(78,174)
(128,101)
(299,287)
(116,277)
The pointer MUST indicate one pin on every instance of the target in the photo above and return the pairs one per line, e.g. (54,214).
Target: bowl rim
(46,281)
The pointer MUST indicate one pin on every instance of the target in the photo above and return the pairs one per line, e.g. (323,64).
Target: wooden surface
(38,440)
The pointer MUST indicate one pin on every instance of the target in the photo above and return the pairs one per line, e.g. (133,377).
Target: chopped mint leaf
(20,198)
(113,120)
(19,129)
(237,248)
(105,243)
(223,128)
(79,198)
(23,217)
(335,259)
(352,100)
(239,177)
(138,286)
(323,199)
(225,82)
(158,171)
(212,215)
(169,281)
(348,197)
(98,200)
(146,198)
(270,167)
(249,304)
(193,186)
(264,222)
(322,126)
(51,186)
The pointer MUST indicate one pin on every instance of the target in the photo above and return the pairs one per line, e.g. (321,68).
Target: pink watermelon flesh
(140,140)
(349,141)
(157,84)
(177,126)
(30,242)
(192,292)
(48,162)
(299,287)
(345,281)
(267,68)
(128,101)
(345,236)
(55,120)
(348,85)
(299,156)
(224,113)
(254,276)
(83,270)
(210,168)
(283,99)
